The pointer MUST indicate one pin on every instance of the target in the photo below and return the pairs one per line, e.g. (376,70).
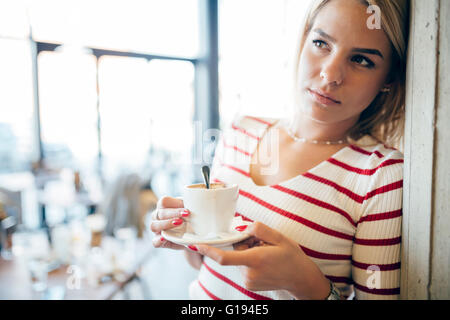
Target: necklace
(304,140)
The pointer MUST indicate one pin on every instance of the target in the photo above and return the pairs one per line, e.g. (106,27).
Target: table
(15,283)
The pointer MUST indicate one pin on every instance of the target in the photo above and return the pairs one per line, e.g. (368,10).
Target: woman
(323,188)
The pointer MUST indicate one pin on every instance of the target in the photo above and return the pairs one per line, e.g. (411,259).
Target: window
(17,131)
(14,22)
(107,45)
(166,27)
(67,99)
(140,113)
(114,82)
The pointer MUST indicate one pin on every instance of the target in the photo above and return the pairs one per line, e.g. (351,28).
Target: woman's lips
(322,99)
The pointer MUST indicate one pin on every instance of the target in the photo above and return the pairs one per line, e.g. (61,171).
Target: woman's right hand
(167,215)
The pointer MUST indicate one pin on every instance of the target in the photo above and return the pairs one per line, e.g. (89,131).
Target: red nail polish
(241,228)
(193,248)
(184,213)
(177,222)
(162,239)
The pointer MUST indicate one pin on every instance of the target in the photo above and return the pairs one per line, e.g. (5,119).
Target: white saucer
(181,237)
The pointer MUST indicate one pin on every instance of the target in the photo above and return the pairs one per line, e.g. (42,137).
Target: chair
(126,203)
(12,202)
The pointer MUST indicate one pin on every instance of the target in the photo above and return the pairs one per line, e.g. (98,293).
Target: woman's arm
(195,259)
(376,249)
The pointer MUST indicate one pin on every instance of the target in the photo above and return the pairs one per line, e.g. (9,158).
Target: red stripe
(309,252)
(212,296)
(316,202)
(378,242)
(217,180)
(244,132)
(367,172)
(235,148)
(351,194)
(382,216)
(325,256)
(294,217)
(237,214)
(236,169)
(392,291)
(259,120)
(382,267)
(235,285)
(347,192)
(368,153)
(388,147)
(386,188)
(336,279)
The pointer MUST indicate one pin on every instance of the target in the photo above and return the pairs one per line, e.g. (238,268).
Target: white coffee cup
(211,210)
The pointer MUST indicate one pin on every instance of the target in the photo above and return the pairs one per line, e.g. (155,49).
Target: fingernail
(193,248)
(177,222)
(241,228)
(162,239)
(184,213)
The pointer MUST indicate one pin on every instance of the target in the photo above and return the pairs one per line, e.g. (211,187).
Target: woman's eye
(319,44)
(363,61)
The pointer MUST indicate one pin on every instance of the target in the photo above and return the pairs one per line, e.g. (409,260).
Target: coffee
(211,186)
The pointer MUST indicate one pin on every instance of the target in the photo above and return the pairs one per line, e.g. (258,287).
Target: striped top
(344,213)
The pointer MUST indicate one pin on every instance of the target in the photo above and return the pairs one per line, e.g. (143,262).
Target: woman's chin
(318,113)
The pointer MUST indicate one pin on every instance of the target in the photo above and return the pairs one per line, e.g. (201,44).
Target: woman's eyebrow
(325,35)
(359,50)
(369,51)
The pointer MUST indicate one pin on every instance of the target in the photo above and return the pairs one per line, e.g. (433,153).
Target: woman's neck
(310,129)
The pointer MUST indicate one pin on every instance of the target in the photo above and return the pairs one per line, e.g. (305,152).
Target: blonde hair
(384,118)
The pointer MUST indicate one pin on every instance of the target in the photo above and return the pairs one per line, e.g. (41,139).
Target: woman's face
(344,60)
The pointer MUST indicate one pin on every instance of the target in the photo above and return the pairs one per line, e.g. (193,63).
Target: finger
(170,245)
(160,225)
(246,244)
(160,242)
(170,202)
(265,233)
(227,258)
(170,213)
(241,246)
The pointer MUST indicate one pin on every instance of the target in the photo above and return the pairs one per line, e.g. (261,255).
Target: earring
(385,90)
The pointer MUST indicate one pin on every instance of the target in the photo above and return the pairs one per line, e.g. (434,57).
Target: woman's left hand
(275,263)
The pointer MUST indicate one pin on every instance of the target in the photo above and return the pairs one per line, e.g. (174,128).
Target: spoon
(205,171)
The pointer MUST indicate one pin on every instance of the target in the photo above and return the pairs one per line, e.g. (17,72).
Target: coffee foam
(211,186)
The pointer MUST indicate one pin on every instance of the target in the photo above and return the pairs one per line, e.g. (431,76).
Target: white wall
(426,218)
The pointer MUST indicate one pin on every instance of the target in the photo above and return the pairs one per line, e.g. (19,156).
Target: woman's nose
(332,73)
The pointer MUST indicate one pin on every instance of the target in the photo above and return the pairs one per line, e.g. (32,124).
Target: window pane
(171,90)
(155,26)
(124,113)
(14,22)
(68,102)
(17,144)
(261,54)
(172,104)
(145,107)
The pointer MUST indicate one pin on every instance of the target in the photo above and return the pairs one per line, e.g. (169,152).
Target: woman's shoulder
(369,145)
(250,121)
(373,156)
(251,126)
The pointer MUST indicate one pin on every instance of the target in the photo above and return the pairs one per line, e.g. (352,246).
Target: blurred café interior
(103,106)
